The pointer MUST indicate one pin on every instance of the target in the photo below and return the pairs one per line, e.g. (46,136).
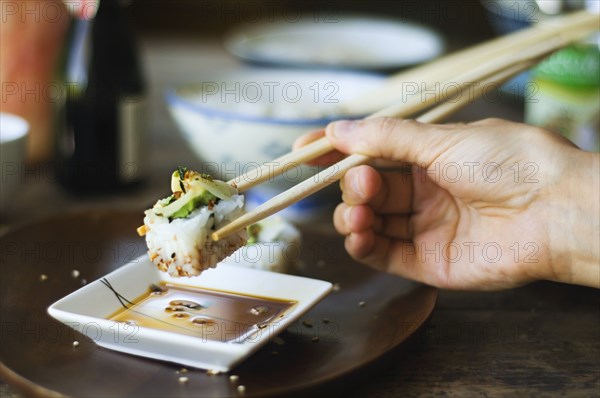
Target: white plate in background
(87,310)
(339,41)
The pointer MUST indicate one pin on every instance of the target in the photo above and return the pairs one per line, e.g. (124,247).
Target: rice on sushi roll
(178,228)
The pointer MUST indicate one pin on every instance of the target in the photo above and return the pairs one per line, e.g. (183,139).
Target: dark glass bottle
(100,130)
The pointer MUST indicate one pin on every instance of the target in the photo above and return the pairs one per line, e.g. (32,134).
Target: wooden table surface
(539,340)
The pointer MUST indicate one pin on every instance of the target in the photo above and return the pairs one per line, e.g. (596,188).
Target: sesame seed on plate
(278,340)
(307,323)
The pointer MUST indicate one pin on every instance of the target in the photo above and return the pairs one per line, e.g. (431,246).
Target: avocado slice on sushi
(192,190)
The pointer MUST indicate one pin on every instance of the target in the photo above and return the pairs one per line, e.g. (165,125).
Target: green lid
(578,65)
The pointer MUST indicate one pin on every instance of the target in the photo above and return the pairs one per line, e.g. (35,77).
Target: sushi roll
(178,228)
(273,245)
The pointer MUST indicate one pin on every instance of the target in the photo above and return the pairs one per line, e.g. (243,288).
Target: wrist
(574,223)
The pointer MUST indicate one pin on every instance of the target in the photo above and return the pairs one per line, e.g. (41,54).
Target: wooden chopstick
(406,108)
(571,27)
(336,171)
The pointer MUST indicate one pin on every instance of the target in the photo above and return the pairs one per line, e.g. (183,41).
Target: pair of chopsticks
(495,63)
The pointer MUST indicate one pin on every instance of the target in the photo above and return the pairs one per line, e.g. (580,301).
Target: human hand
(488,205)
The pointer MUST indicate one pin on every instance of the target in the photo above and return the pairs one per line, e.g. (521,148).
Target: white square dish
(88,310)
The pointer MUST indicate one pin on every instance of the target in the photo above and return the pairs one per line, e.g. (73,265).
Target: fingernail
(347,215)
(343,127)
(356,184)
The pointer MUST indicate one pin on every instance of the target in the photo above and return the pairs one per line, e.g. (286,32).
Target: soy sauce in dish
(208,314)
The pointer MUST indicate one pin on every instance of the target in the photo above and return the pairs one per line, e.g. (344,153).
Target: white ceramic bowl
(237,120)
(13,134)
(340,40)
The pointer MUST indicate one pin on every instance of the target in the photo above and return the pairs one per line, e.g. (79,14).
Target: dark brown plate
(38,356)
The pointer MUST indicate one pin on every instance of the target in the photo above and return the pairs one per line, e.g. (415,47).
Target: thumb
(389,138)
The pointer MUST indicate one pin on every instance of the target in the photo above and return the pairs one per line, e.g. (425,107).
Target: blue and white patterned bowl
(236,120)
(240,118)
